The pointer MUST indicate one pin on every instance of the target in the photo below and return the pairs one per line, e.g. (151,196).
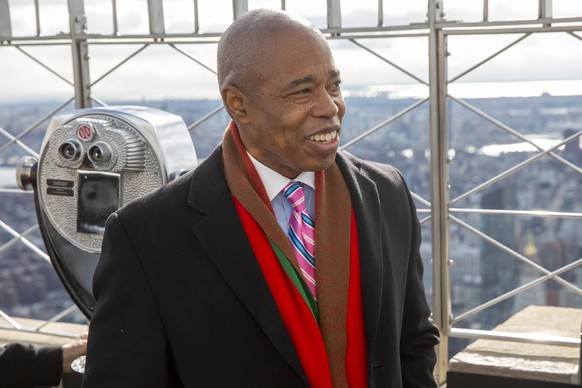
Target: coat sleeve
(125,329)
(419,334)
(24,365)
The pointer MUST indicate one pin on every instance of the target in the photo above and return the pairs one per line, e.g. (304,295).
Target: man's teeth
(324,137)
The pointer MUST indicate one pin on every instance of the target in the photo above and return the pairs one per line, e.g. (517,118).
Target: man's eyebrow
(310,78)
(300,81)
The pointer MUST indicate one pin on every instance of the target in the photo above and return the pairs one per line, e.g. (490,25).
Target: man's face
(295,113)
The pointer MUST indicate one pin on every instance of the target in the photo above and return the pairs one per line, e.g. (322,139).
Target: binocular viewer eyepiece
(72,151)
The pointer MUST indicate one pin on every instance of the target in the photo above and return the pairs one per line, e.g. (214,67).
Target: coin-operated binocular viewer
(92,162)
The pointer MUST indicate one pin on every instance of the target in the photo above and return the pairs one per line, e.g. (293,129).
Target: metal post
(37,18)
(380,13)
(156,17)
(80,53)
(196,18)
(545,9)
(239,7)
(439,183)
(114,15)
(334,14)
(5,26)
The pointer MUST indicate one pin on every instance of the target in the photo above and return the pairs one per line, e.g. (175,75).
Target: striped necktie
(302,233)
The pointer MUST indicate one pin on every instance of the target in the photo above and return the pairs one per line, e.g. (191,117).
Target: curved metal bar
(515,254)
(518,290)
(26,242)
(10,321)
(517,134)
(16,239)
(192,58)
(537,338)
(98,101)
(119,64)
(57,333)
(37,123)
(388,61)
(420,199)
(425,220)
(14,140)
(511,170)
(462,74)
(384,123)
(206,117)
(57,317)
(511,26)
(527,213)
(13,191)
(44,66)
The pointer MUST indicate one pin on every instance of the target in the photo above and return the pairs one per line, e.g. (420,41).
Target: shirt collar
(275,182)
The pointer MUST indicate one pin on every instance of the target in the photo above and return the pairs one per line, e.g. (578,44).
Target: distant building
(498,270)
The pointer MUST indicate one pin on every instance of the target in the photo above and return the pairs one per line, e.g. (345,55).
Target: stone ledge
(55,333)
(532,361)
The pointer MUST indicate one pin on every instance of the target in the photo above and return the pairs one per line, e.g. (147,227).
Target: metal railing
(441,211)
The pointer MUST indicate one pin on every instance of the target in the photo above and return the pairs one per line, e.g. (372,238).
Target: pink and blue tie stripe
(302,233)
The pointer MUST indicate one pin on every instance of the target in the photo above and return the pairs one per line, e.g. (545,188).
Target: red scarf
(336,350)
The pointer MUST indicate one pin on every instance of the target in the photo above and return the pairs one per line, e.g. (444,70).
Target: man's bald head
(248,43)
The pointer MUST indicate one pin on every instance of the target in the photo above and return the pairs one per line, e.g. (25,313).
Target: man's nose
(327,105)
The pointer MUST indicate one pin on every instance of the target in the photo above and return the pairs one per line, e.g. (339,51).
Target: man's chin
(323,164)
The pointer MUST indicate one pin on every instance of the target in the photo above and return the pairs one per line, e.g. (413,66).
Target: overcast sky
(161,72)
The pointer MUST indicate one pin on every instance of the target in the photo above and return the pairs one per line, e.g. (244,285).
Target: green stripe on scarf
(297,280)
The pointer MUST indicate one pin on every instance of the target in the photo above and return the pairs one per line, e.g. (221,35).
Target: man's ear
(236,102)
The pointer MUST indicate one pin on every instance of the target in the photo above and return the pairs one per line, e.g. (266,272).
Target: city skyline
(546,185)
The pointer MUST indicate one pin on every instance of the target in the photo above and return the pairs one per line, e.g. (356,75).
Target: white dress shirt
(274,184)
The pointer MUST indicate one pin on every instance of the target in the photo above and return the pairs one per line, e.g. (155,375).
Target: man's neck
(274,182)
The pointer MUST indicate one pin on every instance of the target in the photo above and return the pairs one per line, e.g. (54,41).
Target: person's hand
(72,350)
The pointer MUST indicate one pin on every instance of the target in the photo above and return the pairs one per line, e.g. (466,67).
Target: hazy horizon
(466,90)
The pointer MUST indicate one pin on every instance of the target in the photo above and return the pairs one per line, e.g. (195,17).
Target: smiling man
(280,261)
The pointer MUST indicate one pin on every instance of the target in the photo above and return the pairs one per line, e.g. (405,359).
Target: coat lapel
(221,234)
(366,204)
